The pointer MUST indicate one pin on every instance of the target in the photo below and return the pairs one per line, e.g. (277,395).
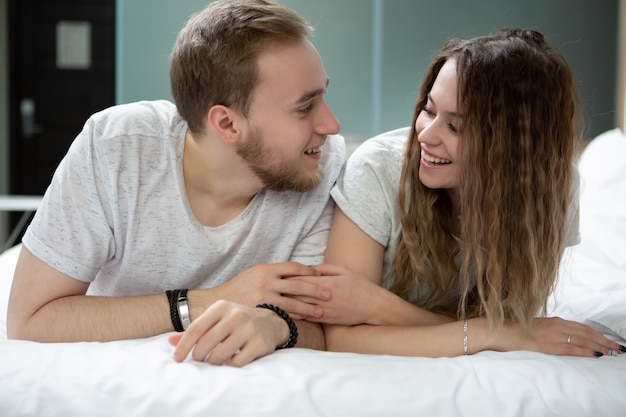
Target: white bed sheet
(139,378)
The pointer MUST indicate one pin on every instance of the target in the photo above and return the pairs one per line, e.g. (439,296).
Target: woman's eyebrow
(449,113)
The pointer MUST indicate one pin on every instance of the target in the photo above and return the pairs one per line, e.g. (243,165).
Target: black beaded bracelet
(172,298)
(293,329)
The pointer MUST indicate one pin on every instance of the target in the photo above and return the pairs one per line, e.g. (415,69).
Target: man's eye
(306,109)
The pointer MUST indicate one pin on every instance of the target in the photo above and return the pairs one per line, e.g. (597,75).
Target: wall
(621,78)
(4,116)
(376,51)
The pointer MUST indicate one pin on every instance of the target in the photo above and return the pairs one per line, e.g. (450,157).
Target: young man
(225,194)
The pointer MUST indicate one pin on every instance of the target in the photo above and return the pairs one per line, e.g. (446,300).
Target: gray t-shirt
(117,215)
(367,192)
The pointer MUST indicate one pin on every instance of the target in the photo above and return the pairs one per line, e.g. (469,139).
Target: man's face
(288,119)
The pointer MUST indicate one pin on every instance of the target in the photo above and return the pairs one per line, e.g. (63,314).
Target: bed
(139,378)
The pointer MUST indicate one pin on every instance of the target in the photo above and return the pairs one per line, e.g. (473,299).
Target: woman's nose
(426,130)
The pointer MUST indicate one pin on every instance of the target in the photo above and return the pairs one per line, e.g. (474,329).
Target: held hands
(358,299)
(267,283)
(231,330)
(353,300)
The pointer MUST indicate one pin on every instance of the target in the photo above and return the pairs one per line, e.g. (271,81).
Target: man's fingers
(299,310)
(303,286)
(174,339)
(293,269)
(328,269)
(197,329)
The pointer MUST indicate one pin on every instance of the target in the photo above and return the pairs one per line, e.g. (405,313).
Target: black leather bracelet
(293,329)
(172,298)
(182,307)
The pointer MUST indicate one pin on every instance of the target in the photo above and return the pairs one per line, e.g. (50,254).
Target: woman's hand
(356,299)
(555,336)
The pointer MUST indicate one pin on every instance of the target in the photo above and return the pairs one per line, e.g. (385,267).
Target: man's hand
(266,283)
(231,334)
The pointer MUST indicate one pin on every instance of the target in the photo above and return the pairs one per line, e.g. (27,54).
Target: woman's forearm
(444,340)
(390,309)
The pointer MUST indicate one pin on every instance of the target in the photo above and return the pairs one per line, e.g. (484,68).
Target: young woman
(465,216)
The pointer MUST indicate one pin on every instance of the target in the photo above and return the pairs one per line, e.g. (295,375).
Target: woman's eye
(453,128)
(428,111)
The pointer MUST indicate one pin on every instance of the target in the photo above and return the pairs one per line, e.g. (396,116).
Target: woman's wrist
(478,336)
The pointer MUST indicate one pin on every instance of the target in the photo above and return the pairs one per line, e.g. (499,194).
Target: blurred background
(61,60)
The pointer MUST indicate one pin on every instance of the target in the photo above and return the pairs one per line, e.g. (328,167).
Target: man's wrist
(293,329)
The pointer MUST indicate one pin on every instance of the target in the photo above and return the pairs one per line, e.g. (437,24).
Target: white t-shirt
(116,213)
(367,192)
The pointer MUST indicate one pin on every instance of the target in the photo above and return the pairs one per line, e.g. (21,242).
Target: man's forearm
(89,318)
(310,335)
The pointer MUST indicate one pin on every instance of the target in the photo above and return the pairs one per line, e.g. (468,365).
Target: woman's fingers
(563,337)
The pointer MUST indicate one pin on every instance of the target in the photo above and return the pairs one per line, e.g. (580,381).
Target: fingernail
(326,294)
(318,311)
(598,354)
(622,348)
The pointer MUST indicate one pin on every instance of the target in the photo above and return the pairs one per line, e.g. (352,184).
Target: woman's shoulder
(387,146)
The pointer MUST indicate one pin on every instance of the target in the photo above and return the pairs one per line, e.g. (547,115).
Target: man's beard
(276,172)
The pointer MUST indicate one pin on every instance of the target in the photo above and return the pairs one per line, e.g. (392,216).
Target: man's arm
(48,306)
(311,335)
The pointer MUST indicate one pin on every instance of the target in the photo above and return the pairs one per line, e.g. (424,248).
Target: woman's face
(437,127)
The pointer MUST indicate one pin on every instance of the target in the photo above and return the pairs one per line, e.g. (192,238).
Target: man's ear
(224,121)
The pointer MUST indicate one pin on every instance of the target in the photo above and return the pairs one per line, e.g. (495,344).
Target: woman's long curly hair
(518,142)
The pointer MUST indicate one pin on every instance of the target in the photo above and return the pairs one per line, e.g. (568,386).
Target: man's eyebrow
(312,94)
(449,113)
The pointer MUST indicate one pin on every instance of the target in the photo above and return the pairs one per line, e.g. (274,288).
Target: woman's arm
(392,326)
(550,335)
(353,273)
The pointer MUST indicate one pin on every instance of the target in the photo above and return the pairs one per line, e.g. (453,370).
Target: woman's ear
(224,121)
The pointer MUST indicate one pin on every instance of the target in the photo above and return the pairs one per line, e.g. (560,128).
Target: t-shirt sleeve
(71,230)
(310,250)
(366,190)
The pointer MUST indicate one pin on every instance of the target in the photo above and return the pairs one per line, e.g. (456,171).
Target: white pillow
(8,260)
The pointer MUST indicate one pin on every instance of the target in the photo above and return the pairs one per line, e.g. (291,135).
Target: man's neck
(219,184)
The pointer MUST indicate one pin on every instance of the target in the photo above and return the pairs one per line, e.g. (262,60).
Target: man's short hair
(214,60)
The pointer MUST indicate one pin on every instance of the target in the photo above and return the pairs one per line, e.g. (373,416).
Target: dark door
(62,69)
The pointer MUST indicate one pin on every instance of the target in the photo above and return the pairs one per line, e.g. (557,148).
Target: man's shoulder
(137,108)
(137,118)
